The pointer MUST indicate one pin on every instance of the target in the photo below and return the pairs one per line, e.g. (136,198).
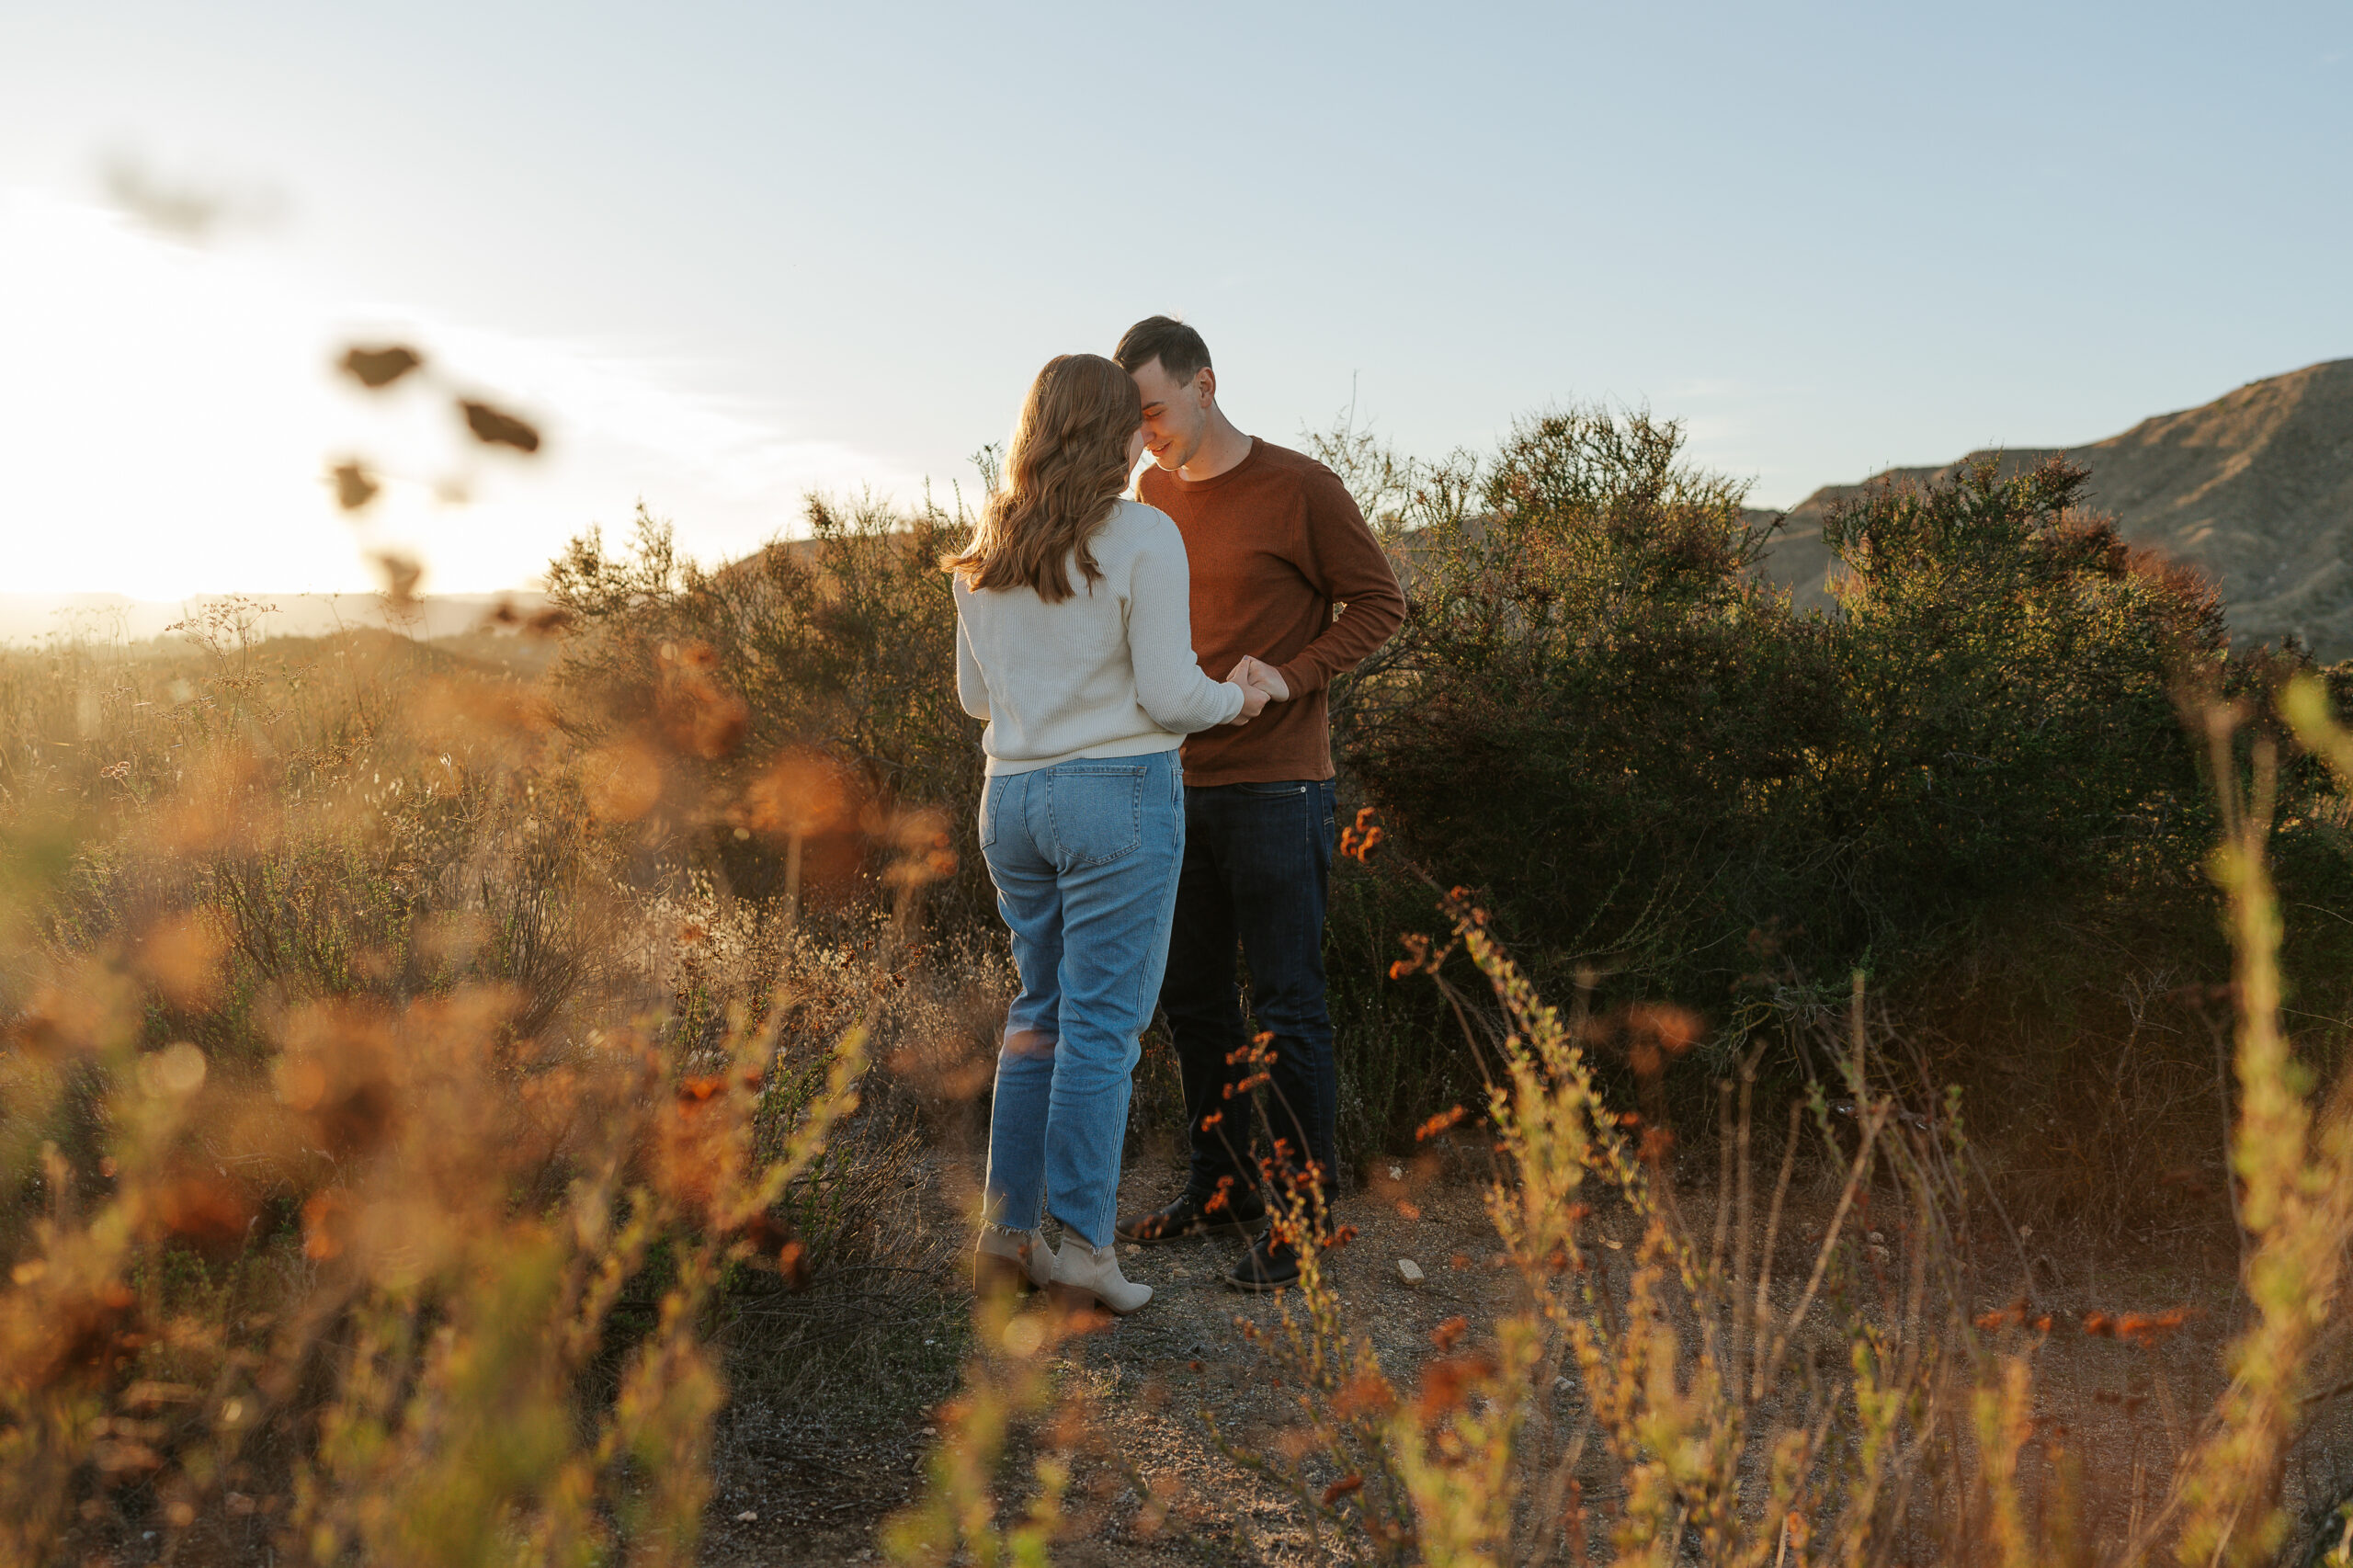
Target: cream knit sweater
(1108,672)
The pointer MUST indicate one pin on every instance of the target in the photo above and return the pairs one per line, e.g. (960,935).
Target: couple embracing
(1143,818)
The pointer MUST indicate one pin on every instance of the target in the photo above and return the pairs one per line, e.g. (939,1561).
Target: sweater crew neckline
(1195,486)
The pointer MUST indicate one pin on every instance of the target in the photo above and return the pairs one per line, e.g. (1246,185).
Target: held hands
(1259,684)
(1262,674)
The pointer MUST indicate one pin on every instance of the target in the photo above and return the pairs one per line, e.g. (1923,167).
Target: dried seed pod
(377,369)
(354,485)
(496,428)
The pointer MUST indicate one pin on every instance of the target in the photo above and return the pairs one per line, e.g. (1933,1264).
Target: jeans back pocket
(1096,810)
(992,794)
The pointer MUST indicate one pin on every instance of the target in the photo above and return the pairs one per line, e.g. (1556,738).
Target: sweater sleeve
(972,686)
(1345,564)
(1169,682)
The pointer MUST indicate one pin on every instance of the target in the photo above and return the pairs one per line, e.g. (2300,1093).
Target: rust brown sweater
(1277,547)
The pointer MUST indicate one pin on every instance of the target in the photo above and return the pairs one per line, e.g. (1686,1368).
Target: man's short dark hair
(1178,348)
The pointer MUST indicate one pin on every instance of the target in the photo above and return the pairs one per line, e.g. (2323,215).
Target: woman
(1074,642)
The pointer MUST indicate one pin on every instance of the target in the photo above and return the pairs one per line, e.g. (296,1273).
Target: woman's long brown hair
(1066,469)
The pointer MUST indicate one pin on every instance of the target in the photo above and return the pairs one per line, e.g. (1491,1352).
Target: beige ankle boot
(1013,1260)
(1086,1275)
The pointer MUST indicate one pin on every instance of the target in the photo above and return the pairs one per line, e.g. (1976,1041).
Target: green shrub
(1590,695)
(1972,782)
(809,687)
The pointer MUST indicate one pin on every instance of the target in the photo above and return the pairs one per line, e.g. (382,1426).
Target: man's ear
(1205,382)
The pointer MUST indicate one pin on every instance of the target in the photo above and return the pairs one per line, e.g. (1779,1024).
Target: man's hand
(1257,671)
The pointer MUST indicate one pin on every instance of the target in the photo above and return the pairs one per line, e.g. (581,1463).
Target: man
(1277,547)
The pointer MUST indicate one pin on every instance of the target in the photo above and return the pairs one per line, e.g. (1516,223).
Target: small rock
(1132,1250)
(1396,1173)
(747,1517)
(1409,1271)
(1877,1239)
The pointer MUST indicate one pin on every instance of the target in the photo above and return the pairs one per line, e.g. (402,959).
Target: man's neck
(1221,450)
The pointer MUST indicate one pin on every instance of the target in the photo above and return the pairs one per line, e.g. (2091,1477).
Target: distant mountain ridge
(2256,488)
(107,617)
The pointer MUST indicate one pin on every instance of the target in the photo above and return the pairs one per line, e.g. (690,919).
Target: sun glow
(168,416)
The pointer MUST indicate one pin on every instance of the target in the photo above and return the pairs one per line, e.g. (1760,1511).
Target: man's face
(1175,413)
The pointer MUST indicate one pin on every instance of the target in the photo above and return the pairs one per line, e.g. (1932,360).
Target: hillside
(114,617)
(2255,487)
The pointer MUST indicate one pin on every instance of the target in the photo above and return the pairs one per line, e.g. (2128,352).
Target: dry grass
(401,1151)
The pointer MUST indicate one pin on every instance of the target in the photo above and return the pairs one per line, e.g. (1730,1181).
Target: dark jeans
(1256,871)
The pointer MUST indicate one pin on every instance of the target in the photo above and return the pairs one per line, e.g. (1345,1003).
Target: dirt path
(819,1493)
(818,1487)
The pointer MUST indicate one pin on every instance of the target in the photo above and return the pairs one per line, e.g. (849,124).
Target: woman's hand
(1257,671)
(1259,685)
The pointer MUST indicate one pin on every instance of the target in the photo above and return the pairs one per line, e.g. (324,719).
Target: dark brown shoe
(1271,1263)
(1191,1215)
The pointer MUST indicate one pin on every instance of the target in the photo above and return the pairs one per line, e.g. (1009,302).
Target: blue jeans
(1258,872)
(1083,855)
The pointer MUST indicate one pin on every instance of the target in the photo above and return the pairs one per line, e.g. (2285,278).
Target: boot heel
(1018,1260)
(1080,1309)
(993,1274)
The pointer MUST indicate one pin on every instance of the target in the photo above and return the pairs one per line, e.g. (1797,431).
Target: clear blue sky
(1828,237)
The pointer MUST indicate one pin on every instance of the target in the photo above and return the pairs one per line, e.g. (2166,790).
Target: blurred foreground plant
(2294,1170)
(360,1198)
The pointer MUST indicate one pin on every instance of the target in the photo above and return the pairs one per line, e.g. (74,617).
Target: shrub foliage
(1973,782)
(1989,725)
